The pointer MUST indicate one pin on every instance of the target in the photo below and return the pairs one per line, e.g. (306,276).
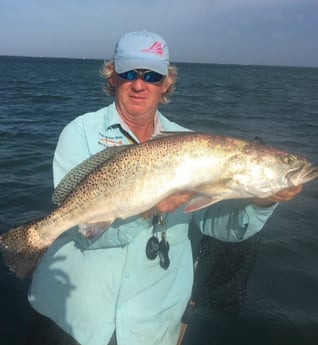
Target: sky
(262,32)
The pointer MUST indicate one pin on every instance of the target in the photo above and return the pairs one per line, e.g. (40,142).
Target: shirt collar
(116,121)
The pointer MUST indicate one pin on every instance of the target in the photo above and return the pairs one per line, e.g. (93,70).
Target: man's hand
(174,201)
(282,195)
(169,204)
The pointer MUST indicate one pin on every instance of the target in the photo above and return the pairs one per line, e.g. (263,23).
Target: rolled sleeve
(255,218)
(232,220)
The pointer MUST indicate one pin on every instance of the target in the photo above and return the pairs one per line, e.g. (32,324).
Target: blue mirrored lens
(147,76)
(152,77)
(130,75)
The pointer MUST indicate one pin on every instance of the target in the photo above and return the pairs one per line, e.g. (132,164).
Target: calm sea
(39,96)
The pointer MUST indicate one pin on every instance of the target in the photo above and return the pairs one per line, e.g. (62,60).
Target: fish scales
(134,179)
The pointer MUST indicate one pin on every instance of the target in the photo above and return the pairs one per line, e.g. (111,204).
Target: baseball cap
(141,50)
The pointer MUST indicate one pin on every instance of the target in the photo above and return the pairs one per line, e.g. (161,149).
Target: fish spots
(22,237)
(34,239)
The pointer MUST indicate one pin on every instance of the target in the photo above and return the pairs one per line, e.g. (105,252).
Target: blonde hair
(108,69)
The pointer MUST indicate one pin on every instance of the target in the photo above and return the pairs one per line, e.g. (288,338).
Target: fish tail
(22,249)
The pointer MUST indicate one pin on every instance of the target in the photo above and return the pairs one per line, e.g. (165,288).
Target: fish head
(302,172)
(266,171)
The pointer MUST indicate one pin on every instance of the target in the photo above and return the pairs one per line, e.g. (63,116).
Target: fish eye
(288,159)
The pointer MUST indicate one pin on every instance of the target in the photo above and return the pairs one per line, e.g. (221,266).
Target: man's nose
(138,83)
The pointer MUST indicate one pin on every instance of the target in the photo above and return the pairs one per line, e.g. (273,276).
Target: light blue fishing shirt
(90,288)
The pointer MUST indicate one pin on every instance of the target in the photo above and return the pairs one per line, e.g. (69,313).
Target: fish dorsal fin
(77,174)
(259,141)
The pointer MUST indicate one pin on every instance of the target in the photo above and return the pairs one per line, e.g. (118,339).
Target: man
(115,285)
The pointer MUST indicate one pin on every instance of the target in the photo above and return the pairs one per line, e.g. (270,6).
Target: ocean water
(39,96)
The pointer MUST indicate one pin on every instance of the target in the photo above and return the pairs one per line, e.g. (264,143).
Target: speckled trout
(121,182)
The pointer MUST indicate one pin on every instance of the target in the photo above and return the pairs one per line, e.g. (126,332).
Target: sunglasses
(147,76)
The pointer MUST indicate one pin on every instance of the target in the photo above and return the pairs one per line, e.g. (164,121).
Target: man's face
(137,98)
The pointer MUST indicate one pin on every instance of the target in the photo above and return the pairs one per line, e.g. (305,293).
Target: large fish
(126,181)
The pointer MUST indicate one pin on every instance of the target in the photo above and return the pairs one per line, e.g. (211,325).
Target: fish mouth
(311,174)
(302,174)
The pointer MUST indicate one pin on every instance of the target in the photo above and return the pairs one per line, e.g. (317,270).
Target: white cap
(141,50)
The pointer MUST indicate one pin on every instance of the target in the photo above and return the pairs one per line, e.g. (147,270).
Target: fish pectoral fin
(93,230)
(214,188)
(199,202)
(208,194)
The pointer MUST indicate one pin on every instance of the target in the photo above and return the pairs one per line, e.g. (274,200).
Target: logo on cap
(156,48)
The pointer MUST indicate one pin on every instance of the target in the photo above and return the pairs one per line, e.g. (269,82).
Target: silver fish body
(138,177)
